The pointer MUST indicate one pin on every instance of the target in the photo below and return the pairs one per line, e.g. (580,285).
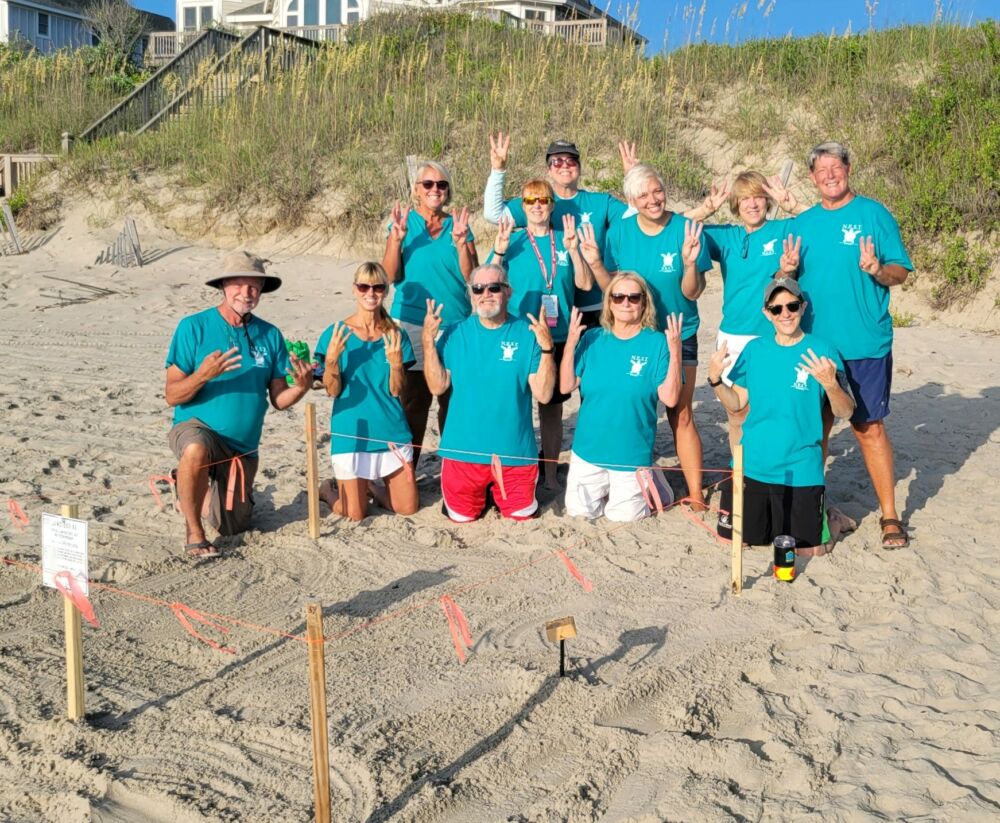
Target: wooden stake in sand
(737,518)
(74,644)
(317,711)
(561,630)
(312,472)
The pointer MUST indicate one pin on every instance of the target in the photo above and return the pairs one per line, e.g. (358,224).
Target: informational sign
(64,548)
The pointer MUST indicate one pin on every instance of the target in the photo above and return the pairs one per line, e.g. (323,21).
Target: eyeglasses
(793,307)
(440,185)
(530,201)
(560,162)
(492,288)
(378,288)
(634,298)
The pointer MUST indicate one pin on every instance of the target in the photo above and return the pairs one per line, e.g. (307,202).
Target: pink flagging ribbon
(182,612)
(236,465)
(497,468)
(407,468)
(701,524)
(650,493)
(17,515)
(460,634)
(68,586)
(153,480)
(573,570)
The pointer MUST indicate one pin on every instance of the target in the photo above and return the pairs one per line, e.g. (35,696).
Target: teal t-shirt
(365,417)
(616,425)
(490,408)
(748,260)
(783,432)
(430,271)
(528,284)
(660,261)
(847,307)
(598,208)
(232,405)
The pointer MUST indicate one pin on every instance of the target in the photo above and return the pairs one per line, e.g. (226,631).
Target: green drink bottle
(301,350)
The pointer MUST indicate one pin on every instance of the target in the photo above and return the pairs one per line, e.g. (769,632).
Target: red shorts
(464,485)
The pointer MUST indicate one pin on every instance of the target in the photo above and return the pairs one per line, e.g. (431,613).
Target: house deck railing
(16,169)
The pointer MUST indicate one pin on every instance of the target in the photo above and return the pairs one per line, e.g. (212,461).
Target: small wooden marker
(74,644)
(317,711)
(562,630)
(737,518)
(312,472)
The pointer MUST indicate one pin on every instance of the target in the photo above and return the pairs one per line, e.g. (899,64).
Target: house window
(310,12)
(43,25)
(534,14)
(353,11)
(206,16)
(190,18)
(332,12)
(292,14)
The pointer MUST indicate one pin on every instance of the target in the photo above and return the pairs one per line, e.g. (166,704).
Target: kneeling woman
(786,378)
(365,358)
(622,368)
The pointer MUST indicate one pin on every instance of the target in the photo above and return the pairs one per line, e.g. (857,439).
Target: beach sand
(867,689)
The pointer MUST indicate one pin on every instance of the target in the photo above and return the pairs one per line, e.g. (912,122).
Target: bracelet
(716,383)
(498,253)
(548,351)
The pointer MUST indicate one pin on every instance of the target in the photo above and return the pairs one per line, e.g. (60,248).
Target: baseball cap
(787,283)
(562,147)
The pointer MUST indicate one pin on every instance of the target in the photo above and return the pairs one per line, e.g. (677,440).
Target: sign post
(737,518)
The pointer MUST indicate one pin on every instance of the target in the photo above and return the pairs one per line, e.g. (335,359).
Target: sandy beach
(868,689)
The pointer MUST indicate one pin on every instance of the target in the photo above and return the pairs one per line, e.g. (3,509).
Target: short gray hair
(500,271)
(830,148)
(422,166)
(636,178)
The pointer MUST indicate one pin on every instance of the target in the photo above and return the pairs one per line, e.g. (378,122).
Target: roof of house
(253,9)
(153,22)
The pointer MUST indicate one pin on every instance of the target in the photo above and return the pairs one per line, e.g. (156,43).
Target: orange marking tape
(407,468)
(182,612)
(66,583)
(573,570)
(235,466)
(17,515)
(460,635)
(152,487)
(497,468)
(650,493)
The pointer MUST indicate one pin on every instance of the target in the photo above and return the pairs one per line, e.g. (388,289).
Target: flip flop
(898,533)
(202,550)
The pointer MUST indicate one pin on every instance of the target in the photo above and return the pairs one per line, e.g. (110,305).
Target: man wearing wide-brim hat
(223,365)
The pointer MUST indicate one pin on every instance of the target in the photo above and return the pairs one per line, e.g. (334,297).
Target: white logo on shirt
(638,364)
(851,233)
(801,378)
(767,250)
(562,257)
(668,261)
(585,216)
(507,349)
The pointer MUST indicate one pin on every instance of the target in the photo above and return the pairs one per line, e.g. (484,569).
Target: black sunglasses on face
(792,306)
(441,185)
(492,288)
(634,298)
(378,288)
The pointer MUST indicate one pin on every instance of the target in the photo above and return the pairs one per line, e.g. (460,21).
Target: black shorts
(557,396)
(689,351)
(770,509)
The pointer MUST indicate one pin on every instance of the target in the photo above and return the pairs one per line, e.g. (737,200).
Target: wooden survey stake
(74,644)
(737,518)
(317,711)
(312,473)
(561,630)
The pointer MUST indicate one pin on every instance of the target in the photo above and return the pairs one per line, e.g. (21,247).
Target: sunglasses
(634,298)
(492,288)
(530,201)
(560,162)
(440,185)
(378,288)
(792,306)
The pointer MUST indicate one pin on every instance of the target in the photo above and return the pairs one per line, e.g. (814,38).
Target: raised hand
(502,242)
(337,344)
(571,240)
(675,323)
(540,326)
(692,241)
(432,320)
(869,262)
(822,368)
(398,216)
(588,244)
(576,328)
(719,362)
(717,195)
(219,362)
(790,248)
(393,341)
(301,372)
(499,148)
(460,225)
(629,156)
(775,189)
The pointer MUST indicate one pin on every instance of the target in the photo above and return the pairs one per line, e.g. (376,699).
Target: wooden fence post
(74,645)
(737,518)
(317,712)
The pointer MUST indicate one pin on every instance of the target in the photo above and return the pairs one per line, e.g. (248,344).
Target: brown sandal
(898,533)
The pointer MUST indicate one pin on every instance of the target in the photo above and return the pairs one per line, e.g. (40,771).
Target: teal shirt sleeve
(516,209)
(616,209)
(889,241)
(612,248)
(182,348)
(738,373)
(409,358)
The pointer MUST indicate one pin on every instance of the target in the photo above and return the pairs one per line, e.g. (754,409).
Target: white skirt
(735,344)
(369,465)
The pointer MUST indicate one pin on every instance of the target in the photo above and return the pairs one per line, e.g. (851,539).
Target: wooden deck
(16,169)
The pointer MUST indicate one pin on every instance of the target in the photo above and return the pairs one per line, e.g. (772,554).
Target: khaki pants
(220,457)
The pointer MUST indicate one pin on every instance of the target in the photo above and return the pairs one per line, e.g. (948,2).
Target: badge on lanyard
(550,302)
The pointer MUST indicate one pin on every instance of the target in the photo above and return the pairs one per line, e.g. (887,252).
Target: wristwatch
(716,383)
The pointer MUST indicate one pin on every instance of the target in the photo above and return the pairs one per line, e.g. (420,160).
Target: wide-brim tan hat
(244,264)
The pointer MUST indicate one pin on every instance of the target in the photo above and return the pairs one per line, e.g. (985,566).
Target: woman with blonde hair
(363,359)
(429,255)
(623,368)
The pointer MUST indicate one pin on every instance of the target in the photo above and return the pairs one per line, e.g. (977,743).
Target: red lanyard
(541,263)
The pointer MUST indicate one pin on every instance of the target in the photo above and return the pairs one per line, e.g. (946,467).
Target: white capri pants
(369,465)
(592,491)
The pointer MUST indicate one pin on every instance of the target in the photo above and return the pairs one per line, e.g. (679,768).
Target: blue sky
(672,23)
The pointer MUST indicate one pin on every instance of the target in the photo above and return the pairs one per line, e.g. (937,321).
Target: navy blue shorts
(871,381)
(689,351)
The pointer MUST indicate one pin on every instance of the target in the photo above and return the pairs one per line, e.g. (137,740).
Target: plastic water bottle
(301,350)
(784,557)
